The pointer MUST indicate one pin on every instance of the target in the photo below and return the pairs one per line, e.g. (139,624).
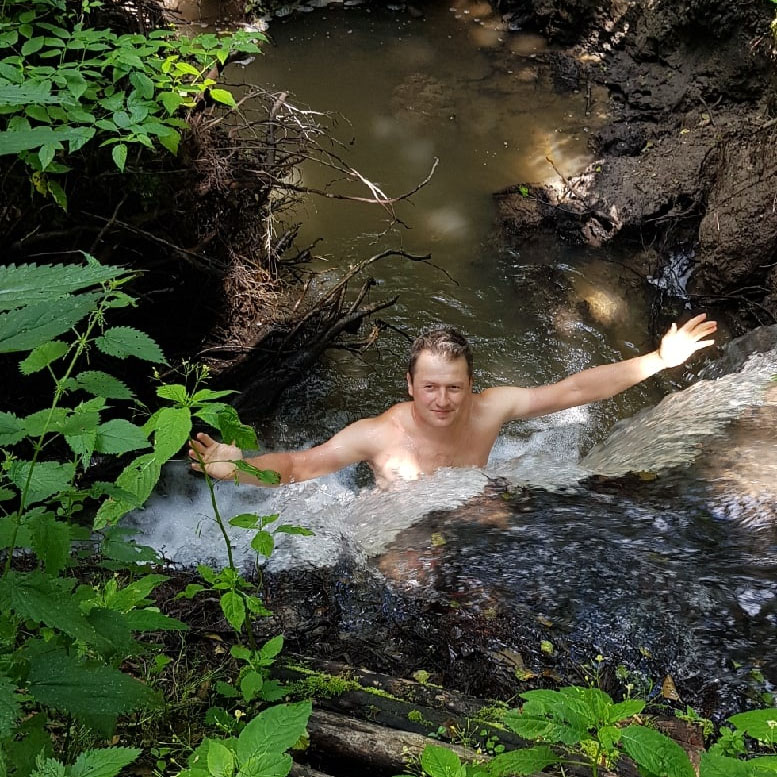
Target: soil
(687,159)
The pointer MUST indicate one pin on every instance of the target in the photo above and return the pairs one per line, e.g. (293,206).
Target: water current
(673,570)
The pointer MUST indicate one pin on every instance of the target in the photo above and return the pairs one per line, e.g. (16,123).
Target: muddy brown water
(654,581)
(458,87)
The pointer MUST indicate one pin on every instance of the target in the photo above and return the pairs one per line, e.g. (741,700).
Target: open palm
(679,344)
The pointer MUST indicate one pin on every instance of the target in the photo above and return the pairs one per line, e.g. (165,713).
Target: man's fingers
(206,439)
(692,322)
(704,344)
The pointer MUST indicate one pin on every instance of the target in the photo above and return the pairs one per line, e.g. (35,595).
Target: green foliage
(62,645)
(259,750)
(91,763)
(759,724)
(65,85)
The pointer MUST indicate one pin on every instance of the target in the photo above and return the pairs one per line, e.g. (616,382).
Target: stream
(671,571)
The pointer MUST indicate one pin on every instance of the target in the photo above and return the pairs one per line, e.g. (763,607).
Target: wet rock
(737,234)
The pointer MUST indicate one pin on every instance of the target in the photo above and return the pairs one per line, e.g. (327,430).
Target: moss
(320,685)
(415,716)
(493,713)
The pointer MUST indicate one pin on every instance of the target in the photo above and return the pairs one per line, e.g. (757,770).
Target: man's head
(439,376)
(443,341)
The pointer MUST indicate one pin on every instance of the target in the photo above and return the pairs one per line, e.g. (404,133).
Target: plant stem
(59,390)
(228,543)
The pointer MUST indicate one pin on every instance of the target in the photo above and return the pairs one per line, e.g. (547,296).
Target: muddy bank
(687,158)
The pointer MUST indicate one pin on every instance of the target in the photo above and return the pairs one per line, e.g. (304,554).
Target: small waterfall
(673,433)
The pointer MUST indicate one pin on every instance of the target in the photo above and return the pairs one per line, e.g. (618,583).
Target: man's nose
(443,397)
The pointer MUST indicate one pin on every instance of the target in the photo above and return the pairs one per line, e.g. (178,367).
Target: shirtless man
(445,424)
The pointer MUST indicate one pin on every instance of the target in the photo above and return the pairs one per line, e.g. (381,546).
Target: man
(445,424)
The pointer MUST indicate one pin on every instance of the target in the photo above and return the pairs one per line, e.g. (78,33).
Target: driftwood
(350,742)
(367,722)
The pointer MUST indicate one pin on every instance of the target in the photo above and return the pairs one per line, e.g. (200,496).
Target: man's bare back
(445,424)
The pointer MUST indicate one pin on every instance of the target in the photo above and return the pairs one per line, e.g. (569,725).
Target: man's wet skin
(445,424)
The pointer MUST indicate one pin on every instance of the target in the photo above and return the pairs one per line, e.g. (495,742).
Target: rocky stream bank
(686,161)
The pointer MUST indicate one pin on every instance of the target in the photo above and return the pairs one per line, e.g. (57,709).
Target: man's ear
(409,384)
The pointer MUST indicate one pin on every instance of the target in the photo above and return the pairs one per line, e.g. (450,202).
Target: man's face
(441,388)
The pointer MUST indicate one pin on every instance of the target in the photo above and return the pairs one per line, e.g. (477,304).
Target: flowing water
(674,570)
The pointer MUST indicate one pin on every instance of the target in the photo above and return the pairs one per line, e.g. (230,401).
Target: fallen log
(349,743)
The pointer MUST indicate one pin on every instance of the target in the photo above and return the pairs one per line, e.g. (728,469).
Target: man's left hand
(678,345)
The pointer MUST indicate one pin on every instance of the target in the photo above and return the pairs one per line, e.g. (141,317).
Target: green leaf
(172,428)
(525,726)
(263,543)
(190,591)
(171,141)
(138,478)
(235,432)
(119,154)
(234,609)
(51,542)
(266,765)
(240,652)
(101,384)
(91,691)
(528,761)
(272,691)
(656,753)
(250,685)
(48,478)
(625,709)
(221,761)
(120,436)
(31,326)
(263,475)
(103,763)
(143,84)
(44,421)
(124,599)
(271,648)
(765,765)
(57,193)
(42,356)
(756,724)
(123,341)
(440,762)
(46,156)
(207,395)
(274,730)
(35,597)
(11,428)
(152,620)
(171,100)
(223,96)
(28,283)
(244,521)
(9,706)
(713,765)
(287,528)
(48,767)
(175,392)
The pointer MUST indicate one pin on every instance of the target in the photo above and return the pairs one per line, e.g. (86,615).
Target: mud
(688,156)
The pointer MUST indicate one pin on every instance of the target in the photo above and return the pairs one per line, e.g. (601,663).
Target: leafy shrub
(65,84)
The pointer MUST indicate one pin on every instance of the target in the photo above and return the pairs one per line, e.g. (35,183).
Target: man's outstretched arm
(607,380)
(356,442)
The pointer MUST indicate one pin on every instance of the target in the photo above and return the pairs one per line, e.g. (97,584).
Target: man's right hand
(217,457)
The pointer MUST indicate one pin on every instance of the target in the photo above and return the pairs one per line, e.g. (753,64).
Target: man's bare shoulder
(504,403)
(370,434)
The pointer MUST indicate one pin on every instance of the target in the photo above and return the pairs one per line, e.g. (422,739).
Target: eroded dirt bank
(687,159)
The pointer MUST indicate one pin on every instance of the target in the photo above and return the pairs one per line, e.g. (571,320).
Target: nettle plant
(65,84)
(65,632)
(584,727)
